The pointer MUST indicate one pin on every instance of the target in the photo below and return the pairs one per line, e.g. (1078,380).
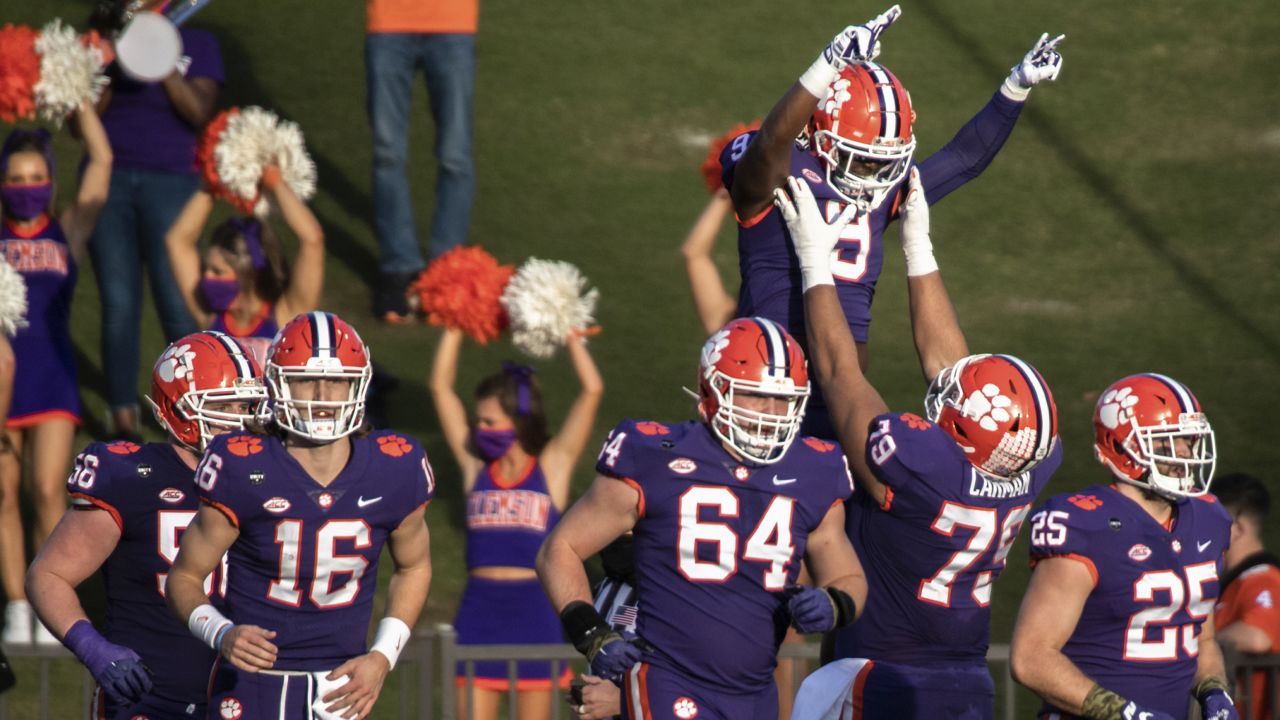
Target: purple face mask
(492,444)
(219,293)
(26,201)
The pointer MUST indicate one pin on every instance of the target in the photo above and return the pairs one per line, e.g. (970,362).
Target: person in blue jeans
(439,39)
(153,129)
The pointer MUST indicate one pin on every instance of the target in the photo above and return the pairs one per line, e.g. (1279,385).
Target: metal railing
(1246,669)
(426,671)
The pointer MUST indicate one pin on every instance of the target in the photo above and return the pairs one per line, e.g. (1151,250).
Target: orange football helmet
(313,346)
(193,381)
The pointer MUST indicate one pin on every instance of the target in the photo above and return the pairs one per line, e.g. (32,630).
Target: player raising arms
(1117,622)
(304,513)
(944,496)
(723,511)
(846,126)
(131,503)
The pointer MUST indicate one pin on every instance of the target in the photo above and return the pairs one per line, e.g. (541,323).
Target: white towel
(827,694)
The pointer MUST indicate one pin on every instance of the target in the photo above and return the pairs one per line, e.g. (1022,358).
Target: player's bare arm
(852,401)
(832,560)
(1211,688)
(939,340)
(766,162)
(563,451)
(608,509)
(203,544)
(78,546)
(1050,610)
(410,549)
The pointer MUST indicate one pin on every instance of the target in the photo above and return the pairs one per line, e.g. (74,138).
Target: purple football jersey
(148,491)
(935,547)
(771,285)
(717,542)
(1139,631)
(306,562)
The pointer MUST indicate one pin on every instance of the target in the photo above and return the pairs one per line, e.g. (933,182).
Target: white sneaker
(17,623)
(43,636)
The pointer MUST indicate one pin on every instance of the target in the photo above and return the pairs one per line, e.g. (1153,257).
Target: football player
(723,510)
(846,127)
(944,495)
(304,512)
(131,504)
(1117,621)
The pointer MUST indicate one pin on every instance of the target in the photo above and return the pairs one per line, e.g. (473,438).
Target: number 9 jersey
(1138,633)
(306,562)
(717,542)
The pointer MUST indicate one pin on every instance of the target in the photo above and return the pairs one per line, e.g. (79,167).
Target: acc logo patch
(1139,552)
(819,444)
(276,505)
(811,176)
(244,445)
(394,445)
(685,708)
(649,427)
(172,495)
(684,466)
(230,709)
(1085,502)
(123,447)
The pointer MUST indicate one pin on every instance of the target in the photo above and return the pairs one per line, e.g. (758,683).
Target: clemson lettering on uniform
(508,508)
(31,256)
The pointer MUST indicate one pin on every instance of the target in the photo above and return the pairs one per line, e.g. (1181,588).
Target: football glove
(1041,64)
(1215,703)
(854,44)
(609,654)
(118,670)
(817,610)
(917,246)
(812,237)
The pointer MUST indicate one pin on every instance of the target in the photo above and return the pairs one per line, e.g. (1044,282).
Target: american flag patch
(624,615)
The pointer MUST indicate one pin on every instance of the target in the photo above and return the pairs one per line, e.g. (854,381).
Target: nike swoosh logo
(361,502)
(1203,545)
(787,481)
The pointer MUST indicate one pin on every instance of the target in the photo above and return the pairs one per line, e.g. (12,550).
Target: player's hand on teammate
(917,245)
(860,43)
(811,236)
(1041,64)
(249,647)
(1216,705)
(600,699)
(355,697)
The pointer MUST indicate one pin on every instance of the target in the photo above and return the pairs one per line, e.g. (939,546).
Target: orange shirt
(421,16)
(1254,598)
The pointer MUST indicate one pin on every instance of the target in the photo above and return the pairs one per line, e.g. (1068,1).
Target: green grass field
(1128,225)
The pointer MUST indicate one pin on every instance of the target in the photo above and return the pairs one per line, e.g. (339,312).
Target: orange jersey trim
(888,499)
(505,484)
(636,486)
(25,421)
(39,227)
(754,221)
(1093,569)
(101,505)
(231,515)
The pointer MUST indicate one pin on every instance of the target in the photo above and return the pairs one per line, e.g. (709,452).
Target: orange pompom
(19,72)
(208,164)
(711,164)
(461,288)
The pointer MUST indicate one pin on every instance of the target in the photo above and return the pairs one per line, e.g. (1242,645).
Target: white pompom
(70,72)
(13,300)
(254,138)
(545,301)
